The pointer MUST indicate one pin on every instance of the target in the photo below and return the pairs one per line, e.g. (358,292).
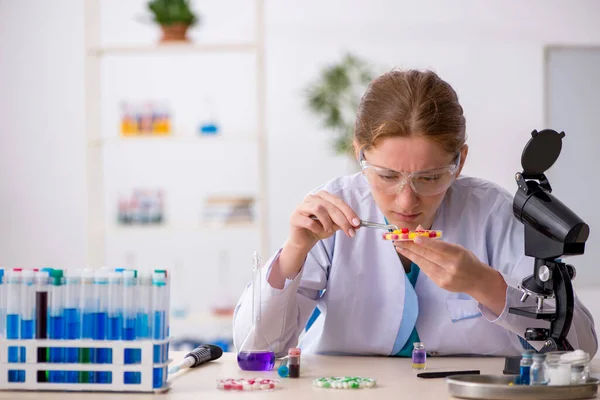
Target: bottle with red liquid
(256,353)
(294,363)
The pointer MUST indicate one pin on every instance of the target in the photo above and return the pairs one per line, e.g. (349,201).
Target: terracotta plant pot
(174,33)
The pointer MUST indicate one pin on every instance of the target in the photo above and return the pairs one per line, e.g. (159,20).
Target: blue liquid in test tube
(103,356)
(87,299)
(2,303)
(27,314)
(129,321)
(115,306)
(56,327)
(13,318)
(164,348)
(72,320)
(142,323)
(115,309)
(158,324)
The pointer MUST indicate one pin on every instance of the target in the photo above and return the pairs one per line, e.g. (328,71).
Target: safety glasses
(424,183)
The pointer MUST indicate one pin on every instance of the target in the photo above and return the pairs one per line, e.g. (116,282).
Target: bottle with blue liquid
(525,367)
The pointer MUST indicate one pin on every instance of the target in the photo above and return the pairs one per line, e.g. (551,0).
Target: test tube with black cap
(41,318)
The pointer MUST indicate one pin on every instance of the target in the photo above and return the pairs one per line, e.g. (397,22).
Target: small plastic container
(538,375)
(560,365)
(578,374)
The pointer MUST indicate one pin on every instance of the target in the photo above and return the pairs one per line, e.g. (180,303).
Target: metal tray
(496,387)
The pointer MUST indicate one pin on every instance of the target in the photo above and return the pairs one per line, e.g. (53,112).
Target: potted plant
(334,98)
(174,18)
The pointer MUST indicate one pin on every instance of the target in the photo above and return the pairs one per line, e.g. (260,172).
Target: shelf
(118,140)
(175,48)
(169,229)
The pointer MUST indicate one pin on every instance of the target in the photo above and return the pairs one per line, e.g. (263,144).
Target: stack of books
(228,210)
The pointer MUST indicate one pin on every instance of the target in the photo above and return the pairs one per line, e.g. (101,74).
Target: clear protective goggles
(423,183)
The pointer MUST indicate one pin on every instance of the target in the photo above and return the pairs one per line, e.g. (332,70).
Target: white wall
(42,164)
(492,53)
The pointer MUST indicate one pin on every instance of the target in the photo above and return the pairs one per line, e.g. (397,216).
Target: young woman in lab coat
(377,297)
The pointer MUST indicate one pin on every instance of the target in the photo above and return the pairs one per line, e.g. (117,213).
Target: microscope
(552,231)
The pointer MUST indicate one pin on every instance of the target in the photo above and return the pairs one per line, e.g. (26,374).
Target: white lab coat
(360,286)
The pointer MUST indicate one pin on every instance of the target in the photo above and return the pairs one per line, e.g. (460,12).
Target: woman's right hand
(332,214)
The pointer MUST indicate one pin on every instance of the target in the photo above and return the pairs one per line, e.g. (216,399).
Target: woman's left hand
(456,269)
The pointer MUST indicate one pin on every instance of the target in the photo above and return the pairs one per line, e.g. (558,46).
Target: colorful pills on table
(344,382)
(242,384)
(404,234)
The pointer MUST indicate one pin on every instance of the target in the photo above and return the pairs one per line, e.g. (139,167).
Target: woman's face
(402,206)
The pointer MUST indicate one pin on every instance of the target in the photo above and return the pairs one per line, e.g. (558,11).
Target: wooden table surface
(395,380)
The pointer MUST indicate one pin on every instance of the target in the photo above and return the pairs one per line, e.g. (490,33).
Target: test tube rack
(30,366)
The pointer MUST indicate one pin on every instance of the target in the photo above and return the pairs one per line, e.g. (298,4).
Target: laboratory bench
(395,379)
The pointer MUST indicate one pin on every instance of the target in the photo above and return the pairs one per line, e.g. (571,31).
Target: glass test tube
(144,286)
(129,316)
(115,306)
(57,322)
(41,279)
(72,319)
(2,303)
(101,322)
(13,317)
(158,323)
(164,348)
(27,315)
(87,307)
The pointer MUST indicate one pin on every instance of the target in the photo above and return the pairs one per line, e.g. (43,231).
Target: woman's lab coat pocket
(462,309)
(473,332)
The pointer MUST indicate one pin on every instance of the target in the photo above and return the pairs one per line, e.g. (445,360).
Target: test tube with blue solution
(27,315)
(158,324)
(57,322)
(115,308)
(2,303)
(256,353)
(130,356)
(87,301)
(164,348)
(72,320)
(142,323)
(13,318)
(103,356)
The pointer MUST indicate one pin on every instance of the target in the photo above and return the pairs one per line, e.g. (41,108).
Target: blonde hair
(404,103)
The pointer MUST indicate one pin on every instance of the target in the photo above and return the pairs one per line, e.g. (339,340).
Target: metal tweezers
(368,224)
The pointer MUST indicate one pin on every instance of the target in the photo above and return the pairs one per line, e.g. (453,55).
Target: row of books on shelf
(147,207)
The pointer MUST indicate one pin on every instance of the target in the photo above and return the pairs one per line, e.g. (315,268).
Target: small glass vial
(578,374)
(538,373)
(525,368)
(419,356)
(294,362)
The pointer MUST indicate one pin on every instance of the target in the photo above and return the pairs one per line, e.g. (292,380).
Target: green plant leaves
(169,12)
(335,95)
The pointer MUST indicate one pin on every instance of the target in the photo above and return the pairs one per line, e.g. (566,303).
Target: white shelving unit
(98,142)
